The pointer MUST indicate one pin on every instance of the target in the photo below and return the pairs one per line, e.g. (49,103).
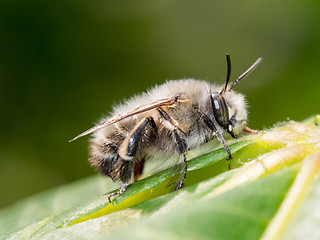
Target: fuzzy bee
(166,122)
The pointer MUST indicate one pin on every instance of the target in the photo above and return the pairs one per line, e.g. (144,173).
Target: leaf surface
(270,193)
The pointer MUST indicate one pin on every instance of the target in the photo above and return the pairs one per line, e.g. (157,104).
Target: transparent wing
(137,110)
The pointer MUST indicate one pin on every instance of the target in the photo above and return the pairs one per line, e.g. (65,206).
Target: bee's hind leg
(121,190)
(123,172)
(125,165)
(138,168)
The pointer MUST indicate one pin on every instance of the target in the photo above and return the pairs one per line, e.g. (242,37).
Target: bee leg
(180,143)
(210,124)
(121,190)
(179,184)
(127,152)
(129,147)
(138,168)
(149,132)
(122,172)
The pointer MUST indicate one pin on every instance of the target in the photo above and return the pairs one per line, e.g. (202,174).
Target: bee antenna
(249,70)
(228,73)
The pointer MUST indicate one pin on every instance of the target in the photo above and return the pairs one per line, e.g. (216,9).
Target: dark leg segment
(135,137)
(124,171)
(180,142)
(214,129)
(181,145)
(138,168)
(168,118)
(179,184)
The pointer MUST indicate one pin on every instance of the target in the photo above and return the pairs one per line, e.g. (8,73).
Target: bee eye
(220,109)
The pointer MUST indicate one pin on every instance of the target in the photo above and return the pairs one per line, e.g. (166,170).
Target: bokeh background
(65,63)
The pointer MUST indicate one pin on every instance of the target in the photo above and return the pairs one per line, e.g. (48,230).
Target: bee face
(229,115)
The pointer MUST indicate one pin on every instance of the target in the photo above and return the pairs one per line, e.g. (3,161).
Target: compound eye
(220,110)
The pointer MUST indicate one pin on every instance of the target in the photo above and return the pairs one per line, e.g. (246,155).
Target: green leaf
(268,193)
(53,201)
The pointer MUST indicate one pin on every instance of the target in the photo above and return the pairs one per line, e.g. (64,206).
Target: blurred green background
(65,63)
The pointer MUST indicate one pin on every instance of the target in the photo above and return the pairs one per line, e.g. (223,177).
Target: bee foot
(178,186)
(112,195)
(121,190)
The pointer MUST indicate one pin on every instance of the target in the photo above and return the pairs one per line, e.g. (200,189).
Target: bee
(166,122)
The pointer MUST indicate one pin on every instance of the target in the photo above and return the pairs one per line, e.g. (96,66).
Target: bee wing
(137,110)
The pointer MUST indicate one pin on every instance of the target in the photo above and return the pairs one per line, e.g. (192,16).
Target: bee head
(221,108)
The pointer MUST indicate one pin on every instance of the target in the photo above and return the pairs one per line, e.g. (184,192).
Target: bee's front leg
(210,124)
